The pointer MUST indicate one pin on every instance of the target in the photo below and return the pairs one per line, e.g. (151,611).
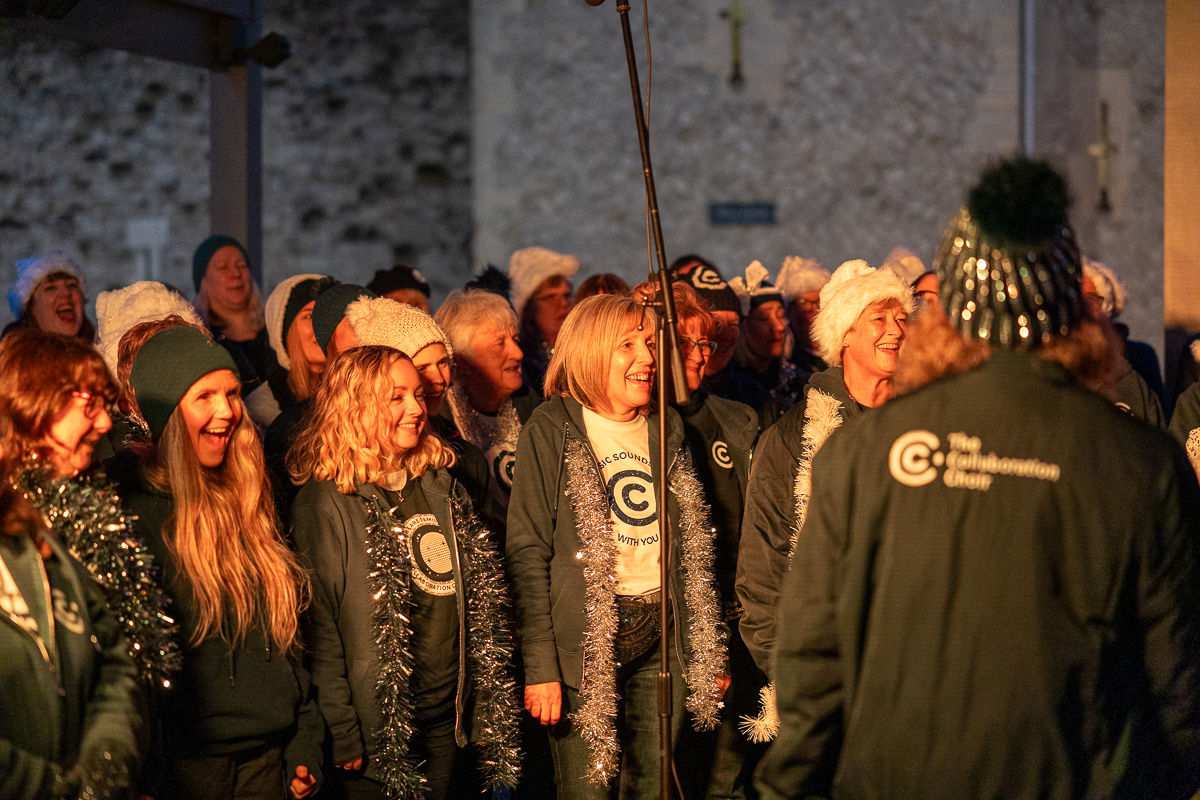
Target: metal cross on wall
(1103,151)
(736,15)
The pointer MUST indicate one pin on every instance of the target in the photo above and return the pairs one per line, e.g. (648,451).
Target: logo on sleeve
(916,457)
(720,454)
(429,554)
(630,495)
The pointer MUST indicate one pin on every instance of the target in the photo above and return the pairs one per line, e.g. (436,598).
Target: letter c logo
(909,458)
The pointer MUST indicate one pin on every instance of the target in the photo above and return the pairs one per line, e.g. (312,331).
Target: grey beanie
(167,365)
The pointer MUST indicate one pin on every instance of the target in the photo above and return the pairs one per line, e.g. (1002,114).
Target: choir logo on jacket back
(916,457)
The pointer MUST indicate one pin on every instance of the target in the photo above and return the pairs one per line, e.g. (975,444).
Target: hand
(354,764)
(544,702)
(303,784)
(723,683)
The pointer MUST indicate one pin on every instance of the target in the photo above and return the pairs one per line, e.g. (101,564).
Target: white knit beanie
(799,276)
(30,272)
(530,266)
(277,305)
(381,320)
(145,301)
(905,264)
(854,286)
(754,289)
(1112,291)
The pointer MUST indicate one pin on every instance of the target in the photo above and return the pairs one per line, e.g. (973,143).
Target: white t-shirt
(623,450)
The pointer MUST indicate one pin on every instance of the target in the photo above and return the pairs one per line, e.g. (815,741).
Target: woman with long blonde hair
(408,625)
(238,722)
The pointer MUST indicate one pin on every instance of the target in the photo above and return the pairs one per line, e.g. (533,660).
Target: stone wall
(365,148)
(863,123)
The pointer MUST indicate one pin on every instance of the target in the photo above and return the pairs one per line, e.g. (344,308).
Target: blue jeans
(637,731)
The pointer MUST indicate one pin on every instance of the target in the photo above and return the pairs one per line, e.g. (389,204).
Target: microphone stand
(670,368)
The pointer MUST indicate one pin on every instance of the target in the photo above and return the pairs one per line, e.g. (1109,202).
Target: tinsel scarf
(489,650)
(822,416)
(85,515)
(597,712)
(507,427)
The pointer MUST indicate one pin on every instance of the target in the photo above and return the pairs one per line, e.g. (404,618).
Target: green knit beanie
(167,365)
(207,249)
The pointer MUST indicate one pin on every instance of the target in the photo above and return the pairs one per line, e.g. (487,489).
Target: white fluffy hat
(1112,291)
(854,286)
(276,310)
(530,266)
(754,289)
(145,301)
(30,272)
(381,320)
(905,264)
(800,275)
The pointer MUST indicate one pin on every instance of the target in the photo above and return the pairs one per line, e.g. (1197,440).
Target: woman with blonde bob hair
(583,556)
(237,721)
(404,573)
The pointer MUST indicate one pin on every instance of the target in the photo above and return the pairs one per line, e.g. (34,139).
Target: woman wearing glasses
(57,390)
(721,434)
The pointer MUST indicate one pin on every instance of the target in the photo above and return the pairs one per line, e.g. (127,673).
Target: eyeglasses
(94,403)
(688,345)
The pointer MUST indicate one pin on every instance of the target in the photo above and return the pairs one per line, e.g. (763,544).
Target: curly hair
(38,373)
(223,536)
(1090,353)
(344,438)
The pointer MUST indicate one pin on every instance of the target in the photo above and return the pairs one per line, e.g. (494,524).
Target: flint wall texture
(863,123)
(449,134)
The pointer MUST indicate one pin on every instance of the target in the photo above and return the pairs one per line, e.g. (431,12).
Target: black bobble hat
(1008,264)
(398,277)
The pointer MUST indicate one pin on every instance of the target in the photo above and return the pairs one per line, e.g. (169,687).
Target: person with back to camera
(238,721)
(411,647)
(586,581)
(996,591)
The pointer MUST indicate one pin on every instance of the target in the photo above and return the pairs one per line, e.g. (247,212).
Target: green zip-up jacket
(70,713)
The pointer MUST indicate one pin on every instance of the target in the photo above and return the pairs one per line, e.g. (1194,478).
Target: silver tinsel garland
(706,634)
(85,515)
(489,650)
(597,714)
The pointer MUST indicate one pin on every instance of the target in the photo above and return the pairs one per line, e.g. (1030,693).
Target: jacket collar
(567,409)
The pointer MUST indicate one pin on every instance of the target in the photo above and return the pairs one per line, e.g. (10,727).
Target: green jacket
(996,593)
(71,720)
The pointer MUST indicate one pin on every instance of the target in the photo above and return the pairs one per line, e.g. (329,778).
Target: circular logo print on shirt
(629,494)
(720,454)
(66,612)
(429,554)
(502,467)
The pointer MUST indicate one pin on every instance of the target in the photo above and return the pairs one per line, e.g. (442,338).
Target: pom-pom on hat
(284,304)
(207,249)
(330,310)
(854,287)
(1112,291)
(145,301)
(31,271)
(398,277)
(1008,263)
(707,281)
(905,264)
(799,275)
(381,320)
(755,289)
(167,365)
(491,280)
(530,266)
